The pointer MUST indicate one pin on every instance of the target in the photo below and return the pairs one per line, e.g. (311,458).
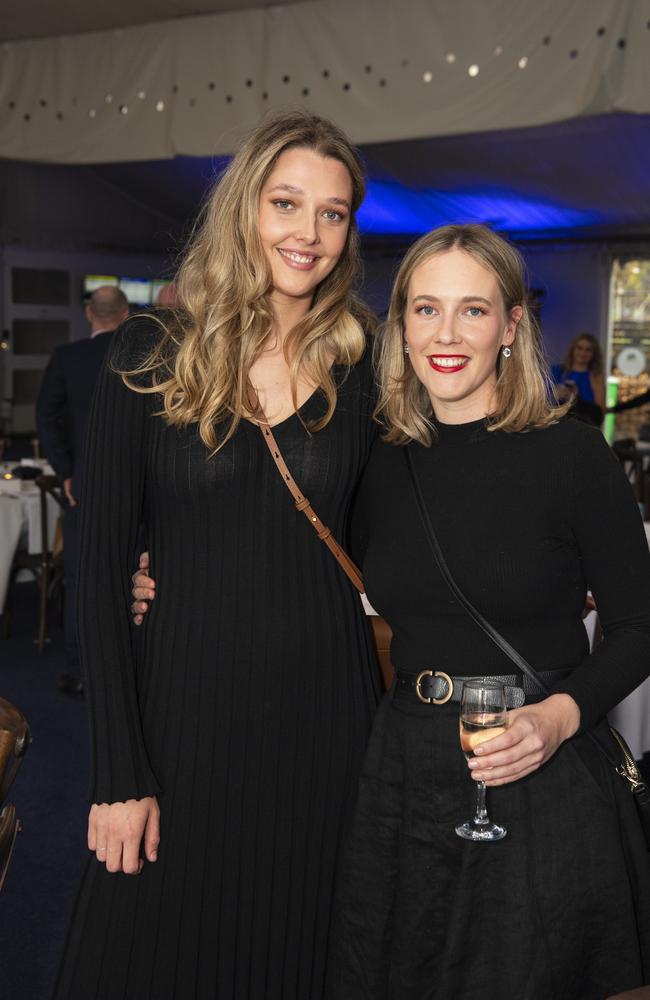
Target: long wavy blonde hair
(523,397)
(201,363)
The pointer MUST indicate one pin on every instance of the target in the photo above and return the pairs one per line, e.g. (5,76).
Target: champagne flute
(482,716)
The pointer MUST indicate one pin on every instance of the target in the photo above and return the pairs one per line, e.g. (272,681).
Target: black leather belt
(435,687)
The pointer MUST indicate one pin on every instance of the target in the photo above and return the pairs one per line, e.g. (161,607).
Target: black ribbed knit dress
(244,701)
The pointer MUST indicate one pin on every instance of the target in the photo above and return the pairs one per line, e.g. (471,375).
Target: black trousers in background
(70,564)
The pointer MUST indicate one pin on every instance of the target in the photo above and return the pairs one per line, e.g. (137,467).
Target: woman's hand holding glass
(533,735)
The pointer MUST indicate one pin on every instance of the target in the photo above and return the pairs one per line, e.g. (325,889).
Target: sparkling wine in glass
(482,716)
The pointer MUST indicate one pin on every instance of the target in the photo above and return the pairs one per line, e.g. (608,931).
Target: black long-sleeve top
(247,595)
(527,522)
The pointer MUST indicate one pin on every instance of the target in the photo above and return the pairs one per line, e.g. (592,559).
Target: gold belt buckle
(434,701)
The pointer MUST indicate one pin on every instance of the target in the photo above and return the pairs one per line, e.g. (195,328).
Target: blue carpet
(50,798)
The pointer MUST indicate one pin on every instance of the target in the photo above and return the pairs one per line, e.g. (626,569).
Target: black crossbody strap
(495,636)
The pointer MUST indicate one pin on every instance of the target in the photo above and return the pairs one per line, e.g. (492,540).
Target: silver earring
(406,348)
(506,352)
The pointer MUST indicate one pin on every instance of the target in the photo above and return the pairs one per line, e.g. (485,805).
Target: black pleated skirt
(558,910)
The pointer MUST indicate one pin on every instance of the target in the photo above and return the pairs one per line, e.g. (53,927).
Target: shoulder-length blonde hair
(523,395)
(595,366)
(202,361)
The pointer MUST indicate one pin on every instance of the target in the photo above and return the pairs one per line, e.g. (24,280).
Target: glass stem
(481,817)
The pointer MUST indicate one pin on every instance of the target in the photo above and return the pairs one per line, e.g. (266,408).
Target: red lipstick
(448,363)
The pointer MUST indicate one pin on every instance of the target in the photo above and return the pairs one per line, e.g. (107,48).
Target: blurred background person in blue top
(580,375)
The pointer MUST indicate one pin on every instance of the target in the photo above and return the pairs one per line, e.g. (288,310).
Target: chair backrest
(9,827)
(15,738)
(14,741)
(626,449)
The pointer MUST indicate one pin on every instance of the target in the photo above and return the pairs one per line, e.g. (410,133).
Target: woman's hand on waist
(533,735)
(116,831)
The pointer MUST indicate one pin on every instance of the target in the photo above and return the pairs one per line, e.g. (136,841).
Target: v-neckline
(295,413)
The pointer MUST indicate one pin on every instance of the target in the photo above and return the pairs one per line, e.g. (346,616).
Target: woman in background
(580,378)
(530,511)
(227,733)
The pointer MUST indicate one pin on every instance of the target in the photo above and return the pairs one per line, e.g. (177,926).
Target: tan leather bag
(381,629)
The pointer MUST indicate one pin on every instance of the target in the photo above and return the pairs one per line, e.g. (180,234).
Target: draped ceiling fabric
(386,70)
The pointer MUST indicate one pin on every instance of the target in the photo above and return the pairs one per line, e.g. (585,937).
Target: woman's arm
(615,561)
(121,774)
(614,554)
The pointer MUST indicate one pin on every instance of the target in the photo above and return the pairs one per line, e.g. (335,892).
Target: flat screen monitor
(137,290)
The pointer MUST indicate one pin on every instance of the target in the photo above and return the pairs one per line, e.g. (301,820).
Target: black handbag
(626,768)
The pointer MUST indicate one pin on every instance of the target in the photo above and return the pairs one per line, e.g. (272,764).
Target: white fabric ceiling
(39,19)
(386,70)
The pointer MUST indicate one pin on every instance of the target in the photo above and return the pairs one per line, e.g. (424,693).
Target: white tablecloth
(20,521)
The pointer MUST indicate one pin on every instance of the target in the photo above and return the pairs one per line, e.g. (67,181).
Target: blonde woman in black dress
(530,511)
(227,732)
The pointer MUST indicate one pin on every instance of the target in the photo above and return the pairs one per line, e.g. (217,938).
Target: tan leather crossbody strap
(303,504)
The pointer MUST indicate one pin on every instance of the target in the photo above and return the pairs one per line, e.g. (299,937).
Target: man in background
(62,412)
(167,297)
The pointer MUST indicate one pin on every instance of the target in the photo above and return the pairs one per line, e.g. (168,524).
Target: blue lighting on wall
(391,208)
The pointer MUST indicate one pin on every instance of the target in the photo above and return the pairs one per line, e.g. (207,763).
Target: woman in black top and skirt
(531,511)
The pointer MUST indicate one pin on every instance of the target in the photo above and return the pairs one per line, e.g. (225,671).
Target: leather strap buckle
(434,701)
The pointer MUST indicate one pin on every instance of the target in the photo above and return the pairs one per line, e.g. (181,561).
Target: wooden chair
(9,830)
(46,565)
(15,738)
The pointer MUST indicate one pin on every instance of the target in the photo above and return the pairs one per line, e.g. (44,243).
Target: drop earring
(506,351)
(406,348)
